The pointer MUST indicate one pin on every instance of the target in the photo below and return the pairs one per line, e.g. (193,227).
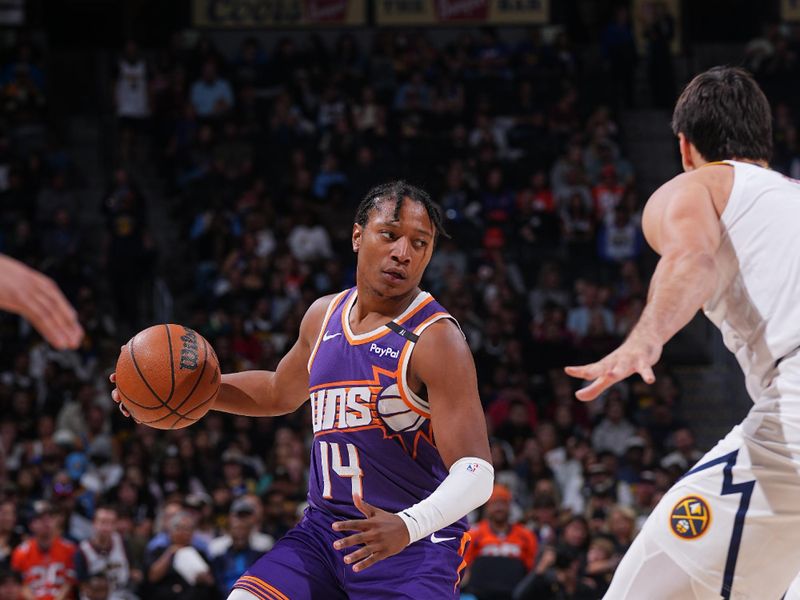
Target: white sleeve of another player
(467,487)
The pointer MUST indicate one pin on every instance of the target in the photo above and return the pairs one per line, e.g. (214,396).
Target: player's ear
(686,153)
(358,230)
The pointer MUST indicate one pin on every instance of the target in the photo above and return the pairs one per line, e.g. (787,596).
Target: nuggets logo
(690,518)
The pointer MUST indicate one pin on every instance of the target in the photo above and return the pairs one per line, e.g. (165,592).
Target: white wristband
(467,487)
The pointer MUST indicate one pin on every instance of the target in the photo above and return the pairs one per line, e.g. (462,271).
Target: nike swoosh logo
(328,336)
(438,540)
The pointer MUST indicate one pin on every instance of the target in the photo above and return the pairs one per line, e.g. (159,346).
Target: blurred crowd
(263,156)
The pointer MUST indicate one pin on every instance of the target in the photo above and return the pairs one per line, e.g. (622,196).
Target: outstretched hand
(381,534)
(38,299)
(635,355)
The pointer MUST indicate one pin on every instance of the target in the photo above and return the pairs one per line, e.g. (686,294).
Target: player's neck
(370,305)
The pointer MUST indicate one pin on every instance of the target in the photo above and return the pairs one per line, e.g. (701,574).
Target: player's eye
(420,243)
(387,234)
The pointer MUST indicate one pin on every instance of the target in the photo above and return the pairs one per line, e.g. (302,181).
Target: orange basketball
(167,376)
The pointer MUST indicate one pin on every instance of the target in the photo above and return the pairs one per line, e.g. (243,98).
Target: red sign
(462,10)
(320,11)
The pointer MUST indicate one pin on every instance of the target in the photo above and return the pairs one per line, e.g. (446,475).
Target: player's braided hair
(398,191)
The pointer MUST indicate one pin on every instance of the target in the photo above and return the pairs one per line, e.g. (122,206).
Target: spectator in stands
(178,570)
(45,550)
(96,587)
(211,95)
(601,561)
(556,576)
(162,539)
(589,303)
(686,453)
(614,431)
(104,554)
(619,238)
(496,536)
(131,97)
(11,586)
(232,553)
(129,252)
(622,527)
(9,532)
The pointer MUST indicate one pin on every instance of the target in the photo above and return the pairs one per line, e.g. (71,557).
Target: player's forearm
(252,394)
(680,286)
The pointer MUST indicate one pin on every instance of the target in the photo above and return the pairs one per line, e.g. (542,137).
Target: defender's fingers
(113,377)
(360,525)
(351,540)
(63,312)
(647,374)
(590,371)
(596,388)
(40,315)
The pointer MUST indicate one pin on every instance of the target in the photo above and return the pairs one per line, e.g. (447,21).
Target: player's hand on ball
(636,355)
(381,535)
(115,395)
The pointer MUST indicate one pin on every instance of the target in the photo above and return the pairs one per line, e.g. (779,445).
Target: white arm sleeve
(467,487)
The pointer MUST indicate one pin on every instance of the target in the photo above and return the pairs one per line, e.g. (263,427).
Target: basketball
(395,413)
(167,376)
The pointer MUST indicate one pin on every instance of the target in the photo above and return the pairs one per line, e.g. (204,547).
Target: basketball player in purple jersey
(400,452)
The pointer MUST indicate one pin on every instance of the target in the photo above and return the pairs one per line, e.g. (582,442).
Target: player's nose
(401,251)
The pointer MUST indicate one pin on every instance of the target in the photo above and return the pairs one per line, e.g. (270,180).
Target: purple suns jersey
(372,434)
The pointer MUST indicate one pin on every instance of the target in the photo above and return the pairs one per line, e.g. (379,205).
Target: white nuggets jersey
(756,303)
(730,528)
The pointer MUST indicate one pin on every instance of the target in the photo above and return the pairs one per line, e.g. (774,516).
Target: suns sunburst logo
(690,518)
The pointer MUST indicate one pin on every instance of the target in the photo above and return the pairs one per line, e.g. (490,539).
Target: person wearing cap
(645,497)
(495,536)
(46,549)
(233,552)
(233,472)
(243,510)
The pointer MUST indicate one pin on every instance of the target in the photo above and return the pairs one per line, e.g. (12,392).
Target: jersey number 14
(333,458)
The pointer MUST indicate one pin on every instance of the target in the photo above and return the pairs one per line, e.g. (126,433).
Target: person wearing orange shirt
(45,561)
(495,535)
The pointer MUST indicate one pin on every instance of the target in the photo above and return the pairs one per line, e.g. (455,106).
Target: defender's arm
(681,223)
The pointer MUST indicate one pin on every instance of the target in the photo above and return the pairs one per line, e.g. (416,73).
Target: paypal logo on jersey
(390,352)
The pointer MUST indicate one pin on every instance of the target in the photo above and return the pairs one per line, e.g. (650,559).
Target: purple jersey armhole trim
(328,314)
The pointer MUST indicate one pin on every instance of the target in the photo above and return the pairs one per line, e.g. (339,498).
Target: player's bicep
(290,381)
(443,361)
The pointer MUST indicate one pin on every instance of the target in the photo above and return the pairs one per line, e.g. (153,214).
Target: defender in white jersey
(728,232)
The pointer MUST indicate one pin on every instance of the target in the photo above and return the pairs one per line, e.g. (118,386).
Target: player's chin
(392,286)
